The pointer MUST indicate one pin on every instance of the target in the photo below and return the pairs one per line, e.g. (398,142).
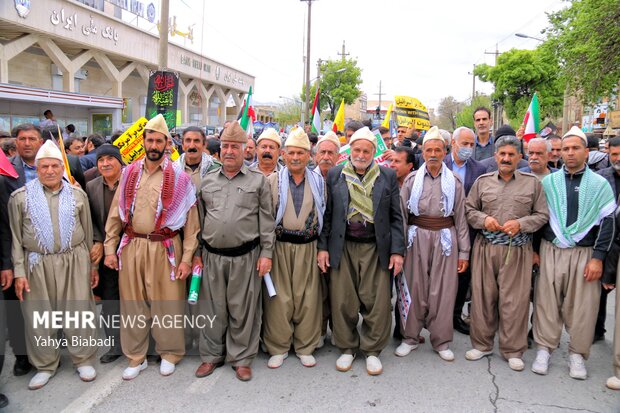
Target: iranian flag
(316,113)
(247,115)
(532,119)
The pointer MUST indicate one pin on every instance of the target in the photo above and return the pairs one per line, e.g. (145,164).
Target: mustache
(505,163)
(192,150)
(267,155)
(536,161)
(432,158)
(326,161)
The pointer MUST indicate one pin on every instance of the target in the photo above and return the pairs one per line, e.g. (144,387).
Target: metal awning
(31,94)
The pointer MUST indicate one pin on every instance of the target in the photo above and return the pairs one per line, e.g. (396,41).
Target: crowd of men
(454,216)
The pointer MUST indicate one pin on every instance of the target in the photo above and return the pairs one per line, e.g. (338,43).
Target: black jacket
(388,218)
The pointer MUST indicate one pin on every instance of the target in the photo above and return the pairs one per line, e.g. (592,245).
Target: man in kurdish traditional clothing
(294,314)
(52,239)
(267,152)
(238,218)
(438,247)
(196,163)
(507,206)
(155,199)
(574,246)
(362,241)
(326,157)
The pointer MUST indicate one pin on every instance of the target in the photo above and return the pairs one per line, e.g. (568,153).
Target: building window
(95,4)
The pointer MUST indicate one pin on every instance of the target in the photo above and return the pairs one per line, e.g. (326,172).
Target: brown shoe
(244,373)
(206,369)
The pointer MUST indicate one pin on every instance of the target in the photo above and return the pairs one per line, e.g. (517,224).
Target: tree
(520,73)
(585,38)
(465,117)
(447,110)
(339,80)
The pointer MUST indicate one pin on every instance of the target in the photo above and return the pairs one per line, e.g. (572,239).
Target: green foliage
(288,113)
(585,38)
(520,73)
(336,84)
(465,117)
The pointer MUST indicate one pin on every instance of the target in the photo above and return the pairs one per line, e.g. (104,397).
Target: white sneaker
(166,368)
(404,349)
(87,373)
(541,364)
(613,383)
(475,354)
(373,365)
(276,361)
(131,373)
(39,380)
(307,360)
(577,367)
(516,364)
(321,342)
(344,362)
(446,354)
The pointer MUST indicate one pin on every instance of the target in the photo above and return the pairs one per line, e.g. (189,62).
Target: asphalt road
(420,381)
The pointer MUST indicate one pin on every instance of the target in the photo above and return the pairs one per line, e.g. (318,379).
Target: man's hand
(521,131)
(491,224)
(396,263)
(111,261)
(96,253)
(197,261)
(511,227)
(183,270)
(609,287)
(322,259)
(94,278)
(263,266)
(387,155)
(593,270)
(536,259)
(463,265)
(6,277)
(21,285)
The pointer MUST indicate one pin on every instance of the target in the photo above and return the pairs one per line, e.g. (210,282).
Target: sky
(424,49)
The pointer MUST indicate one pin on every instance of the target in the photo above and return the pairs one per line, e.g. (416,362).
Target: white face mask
(465,153)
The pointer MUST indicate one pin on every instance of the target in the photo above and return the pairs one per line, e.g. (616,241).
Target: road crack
(493,397)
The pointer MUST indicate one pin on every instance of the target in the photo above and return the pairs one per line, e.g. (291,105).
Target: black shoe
(461,326)
(598,337)
(110,356)
(22,366)
(4,401)
(153,359)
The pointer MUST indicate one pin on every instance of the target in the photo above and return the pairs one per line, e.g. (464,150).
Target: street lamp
(525,36)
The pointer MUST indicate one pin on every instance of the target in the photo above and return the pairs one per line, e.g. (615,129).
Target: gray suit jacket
(388,216)
(94,190)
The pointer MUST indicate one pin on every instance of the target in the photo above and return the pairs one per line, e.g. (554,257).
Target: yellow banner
(131,143)
(411,113)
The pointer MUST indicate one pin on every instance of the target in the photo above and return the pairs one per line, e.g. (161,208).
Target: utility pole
(308,57)
(473,86)
(318,71)
(497,109)
(163,35)
(343,54)
(380,94)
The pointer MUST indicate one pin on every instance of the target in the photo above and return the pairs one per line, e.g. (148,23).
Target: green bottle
(194,286)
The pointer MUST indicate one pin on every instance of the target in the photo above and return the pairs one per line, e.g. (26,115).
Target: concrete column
(222,105)
(206,95)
